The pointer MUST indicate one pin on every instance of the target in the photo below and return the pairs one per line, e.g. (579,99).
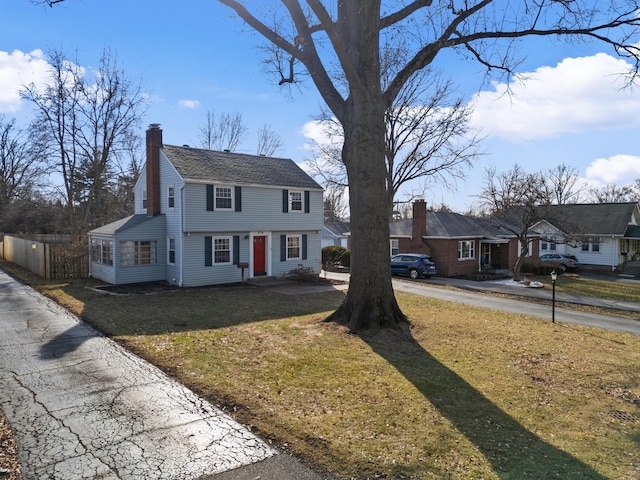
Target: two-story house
(200,215)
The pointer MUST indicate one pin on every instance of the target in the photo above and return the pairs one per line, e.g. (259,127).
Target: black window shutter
(238,195)
(304,246)
(285,201)
(208,257)
(236,249)
(209,198)
(306,201)
(283,248)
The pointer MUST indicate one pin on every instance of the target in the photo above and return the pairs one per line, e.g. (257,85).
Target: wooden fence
(52,261)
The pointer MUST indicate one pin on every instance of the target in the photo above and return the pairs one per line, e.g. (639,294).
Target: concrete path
(82,407)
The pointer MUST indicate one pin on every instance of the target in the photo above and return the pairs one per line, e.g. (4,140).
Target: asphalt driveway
(82,407)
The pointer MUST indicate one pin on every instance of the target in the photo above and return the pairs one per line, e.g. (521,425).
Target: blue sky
(193,56)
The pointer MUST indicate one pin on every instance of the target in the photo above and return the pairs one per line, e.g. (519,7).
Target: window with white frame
(466,249)
(102,251)
(171,197)
(139,252)
(171,253)
(595,244)
(221,250)
(144,199)
(295,201)
(224,198)
(293,247)
(394,246)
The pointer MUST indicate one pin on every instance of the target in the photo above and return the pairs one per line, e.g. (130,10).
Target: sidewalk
(82,407)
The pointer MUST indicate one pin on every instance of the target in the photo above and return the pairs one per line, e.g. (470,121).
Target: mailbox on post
(242,266)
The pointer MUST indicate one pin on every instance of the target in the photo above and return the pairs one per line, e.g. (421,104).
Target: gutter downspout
(181,235)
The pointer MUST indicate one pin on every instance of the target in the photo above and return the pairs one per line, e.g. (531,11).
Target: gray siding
(314,253)
(261,210)
(169,177)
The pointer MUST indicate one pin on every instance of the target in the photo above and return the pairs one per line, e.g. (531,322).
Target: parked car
(567,261)
(413,264)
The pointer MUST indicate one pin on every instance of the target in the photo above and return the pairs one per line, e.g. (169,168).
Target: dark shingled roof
(592,218)
(448,225)
(237,168)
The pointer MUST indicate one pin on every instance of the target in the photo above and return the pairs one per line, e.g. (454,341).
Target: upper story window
(144,199)
(224,198)
(171,197)
(295,201)
(466,249)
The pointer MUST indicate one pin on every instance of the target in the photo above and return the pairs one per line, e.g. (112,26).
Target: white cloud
(18,69)
(189,103)
(619,170)
(577,94)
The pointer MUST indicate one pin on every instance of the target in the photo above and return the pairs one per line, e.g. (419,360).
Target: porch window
(466,250)
(102,251)
(138,253)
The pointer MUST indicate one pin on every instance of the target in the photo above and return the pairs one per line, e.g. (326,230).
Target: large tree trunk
(370,303)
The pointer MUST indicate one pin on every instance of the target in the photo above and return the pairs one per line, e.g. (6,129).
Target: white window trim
(472,250)
(153,249)
(299,237)
(213,250)
(301,192)
(391,246)
(215,198)
(169,196)
(169,262)
(144,199)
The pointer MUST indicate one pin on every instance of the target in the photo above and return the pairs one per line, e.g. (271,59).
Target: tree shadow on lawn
(513,451)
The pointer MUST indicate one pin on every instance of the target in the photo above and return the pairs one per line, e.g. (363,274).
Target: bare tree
(563,182)
(87,120)
(339,44)
(269,142)
(612,194)
(427,138)
(22,166)
(516,201)
(335,208)
(224,133)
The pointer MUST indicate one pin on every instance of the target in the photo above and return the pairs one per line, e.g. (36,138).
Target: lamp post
(554,277)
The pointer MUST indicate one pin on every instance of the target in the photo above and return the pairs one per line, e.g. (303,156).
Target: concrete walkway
(82,407)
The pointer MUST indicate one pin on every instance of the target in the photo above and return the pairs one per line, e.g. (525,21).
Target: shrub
(346,259)
(332,255)
(302,274)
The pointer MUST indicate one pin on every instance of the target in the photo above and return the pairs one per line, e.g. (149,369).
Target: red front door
(259,255)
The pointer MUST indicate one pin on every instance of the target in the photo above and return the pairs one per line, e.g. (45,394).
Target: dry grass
(473,394)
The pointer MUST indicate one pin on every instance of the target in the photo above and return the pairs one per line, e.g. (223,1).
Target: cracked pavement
(81,406)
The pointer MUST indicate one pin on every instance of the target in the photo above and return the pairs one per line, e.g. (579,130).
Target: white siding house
(200,215)
(599,235)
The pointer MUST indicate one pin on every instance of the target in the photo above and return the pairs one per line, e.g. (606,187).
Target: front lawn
(474,393)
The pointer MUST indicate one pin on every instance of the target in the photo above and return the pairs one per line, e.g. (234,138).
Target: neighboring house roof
(121,225)
(592,219)
(449,225)
(237,168)
(337,229)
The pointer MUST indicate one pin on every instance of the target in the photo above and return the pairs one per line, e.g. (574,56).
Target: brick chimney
(419,222)
(154,142)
